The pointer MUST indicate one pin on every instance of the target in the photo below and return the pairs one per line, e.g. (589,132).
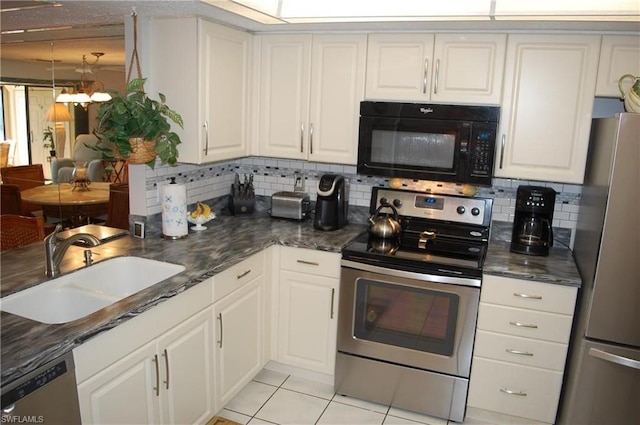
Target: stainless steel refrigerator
(602,383)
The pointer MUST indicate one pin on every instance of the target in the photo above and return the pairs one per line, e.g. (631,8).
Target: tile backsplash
(272,175)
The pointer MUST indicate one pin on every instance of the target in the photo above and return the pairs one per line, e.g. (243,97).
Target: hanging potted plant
(48,142)
(136,128)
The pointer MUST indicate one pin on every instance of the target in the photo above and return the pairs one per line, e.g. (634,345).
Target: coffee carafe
(532,226)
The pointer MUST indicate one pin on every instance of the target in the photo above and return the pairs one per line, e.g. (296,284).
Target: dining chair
(118,209)
(19,230)
(25,177)
(10,199)
(5,147)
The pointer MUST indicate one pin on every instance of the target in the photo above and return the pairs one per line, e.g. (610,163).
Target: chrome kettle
(385,226)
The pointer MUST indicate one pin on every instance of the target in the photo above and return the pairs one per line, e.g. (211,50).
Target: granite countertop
(228,240)
(26,344)
(556,268)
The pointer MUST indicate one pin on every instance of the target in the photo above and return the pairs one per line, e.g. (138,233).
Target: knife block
(242,204)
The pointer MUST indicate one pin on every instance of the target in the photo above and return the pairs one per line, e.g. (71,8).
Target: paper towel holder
(175,227)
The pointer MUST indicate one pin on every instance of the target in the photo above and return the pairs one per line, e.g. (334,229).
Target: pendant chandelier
(85,91)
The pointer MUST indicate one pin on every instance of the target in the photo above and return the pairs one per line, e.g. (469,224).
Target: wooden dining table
(70,202)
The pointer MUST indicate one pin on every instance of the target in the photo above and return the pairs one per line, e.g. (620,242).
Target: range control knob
(475,211)
(460,209)
(383,201)
(397,203)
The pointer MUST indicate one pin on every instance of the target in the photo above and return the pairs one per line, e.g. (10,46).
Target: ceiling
(78,28)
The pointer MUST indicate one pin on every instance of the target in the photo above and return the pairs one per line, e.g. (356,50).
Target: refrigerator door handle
(623,361)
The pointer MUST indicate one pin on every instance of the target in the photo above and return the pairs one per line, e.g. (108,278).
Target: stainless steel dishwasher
(48,395)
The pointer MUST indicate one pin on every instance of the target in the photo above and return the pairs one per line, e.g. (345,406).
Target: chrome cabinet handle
(532,297)
(511,392)
(424,76)
(206,137)
(166,366)
(435,81)
(524,325)
(311,138)
(310,263)
(504,138)
(614,358)
(157,387)
(243,274)
(333,295)
(518,352)
(220,319)
(301,137)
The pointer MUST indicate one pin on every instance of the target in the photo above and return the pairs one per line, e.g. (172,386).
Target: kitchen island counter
(226,241)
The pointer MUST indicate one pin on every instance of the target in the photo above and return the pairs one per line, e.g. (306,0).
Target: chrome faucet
(54,250)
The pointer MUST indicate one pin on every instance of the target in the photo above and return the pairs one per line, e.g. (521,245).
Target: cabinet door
(548,92)
(620,55)
(224,85)
(285,63)
(337,87)
(308,321)
(468,68)
(186,370)
(238,339)
(399,66)
(126,392)
(206,81)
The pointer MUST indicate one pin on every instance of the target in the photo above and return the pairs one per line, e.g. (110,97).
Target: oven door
(406,318)
(425,149)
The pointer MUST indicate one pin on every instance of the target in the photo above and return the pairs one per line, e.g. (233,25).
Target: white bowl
(200,220)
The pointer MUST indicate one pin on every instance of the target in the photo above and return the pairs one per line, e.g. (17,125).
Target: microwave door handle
(424,76)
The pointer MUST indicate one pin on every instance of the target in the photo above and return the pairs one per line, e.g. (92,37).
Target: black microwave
(449,143)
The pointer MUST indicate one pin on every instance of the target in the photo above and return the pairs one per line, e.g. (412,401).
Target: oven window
(415,318)
(432,150)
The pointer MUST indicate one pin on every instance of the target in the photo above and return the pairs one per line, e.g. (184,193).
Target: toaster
(294,205)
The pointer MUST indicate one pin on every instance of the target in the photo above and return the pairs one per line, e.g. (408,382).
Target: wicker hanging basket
(142,151)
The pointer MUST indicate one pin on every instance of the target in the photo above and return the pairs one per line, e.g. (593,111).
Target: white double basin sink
(85,291)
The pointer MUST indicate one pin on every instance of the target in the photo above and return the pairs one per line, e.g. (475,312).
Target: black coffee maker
(332,204)
(532,232)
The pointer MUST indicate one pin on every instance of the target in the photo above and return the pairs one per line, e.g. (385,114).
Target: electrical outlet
(298,182)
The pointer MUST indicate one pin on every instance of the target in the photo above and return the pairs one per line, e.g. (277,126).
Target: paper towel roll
(174,211)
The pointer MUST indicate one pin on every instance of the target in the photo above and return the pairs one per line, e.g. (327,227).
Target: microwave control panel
(481,152)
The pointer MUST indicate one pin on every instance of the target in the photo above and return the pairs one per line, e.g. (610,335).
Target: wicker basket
(142,151)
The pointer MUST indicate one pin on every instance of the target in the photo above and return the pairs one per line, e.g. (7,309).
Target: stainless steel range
(409,303)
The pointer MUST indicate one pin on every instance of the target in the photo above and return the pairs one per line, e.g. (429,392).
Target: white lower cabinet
(521,347)
(308,305)
(239,336)
(168,380)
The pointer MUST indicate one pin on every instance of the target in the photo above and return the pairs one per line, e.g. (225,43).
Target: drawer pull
(524,325)
(518,352)
(532,297)
(613,358)
(309,263)
(511,392)
(241,275)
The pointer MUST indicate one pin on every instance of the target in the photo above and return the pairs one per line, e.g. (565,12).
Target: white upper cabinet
(546,109)
(310,92)
(456,68)
(620,55)
(203,69)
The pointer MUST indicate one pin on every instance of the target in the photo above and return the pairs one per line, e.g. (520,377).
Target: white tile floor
(278,398)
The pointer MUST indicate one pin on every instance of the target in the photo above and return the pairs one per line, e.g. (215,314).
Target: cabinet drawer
(526,323)
(525,351)
(237,275)
(311,261)
(528,294)
(523,391)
